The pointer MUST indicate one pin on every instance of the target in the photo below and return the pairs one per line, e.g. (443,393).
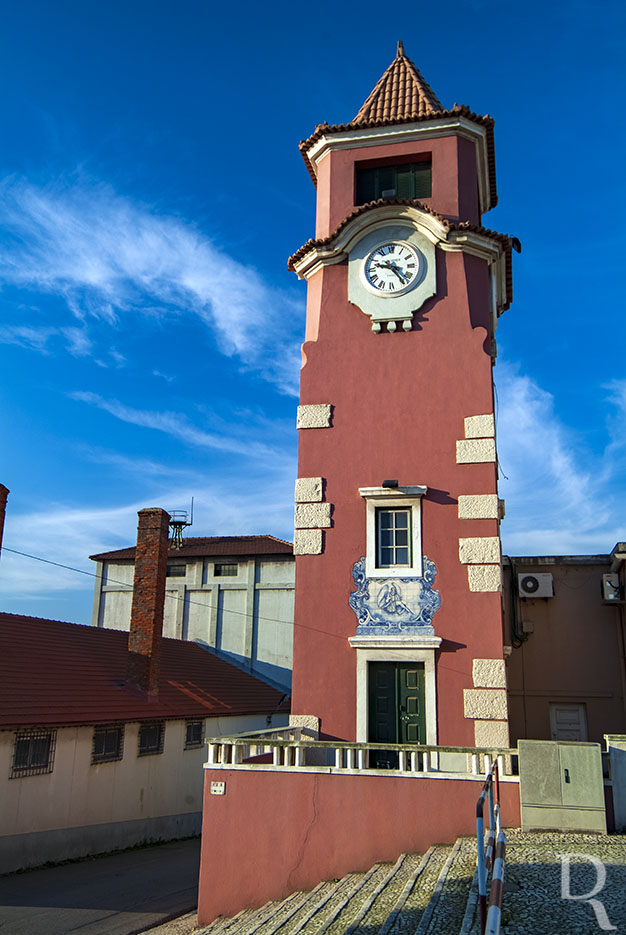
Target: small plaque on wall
(218,788)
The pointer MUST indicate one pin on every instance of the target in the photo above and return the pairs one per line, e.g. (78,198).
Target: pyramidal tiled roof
(402,92)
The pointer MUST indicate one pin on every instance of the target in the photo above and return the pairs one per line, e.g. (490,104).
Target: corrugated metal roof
(208,546)
(63,674)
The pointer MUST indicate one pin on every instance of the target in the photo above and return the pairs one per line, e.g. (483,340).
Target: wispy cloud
(107,257)
(68,535)
(562,497)
(33,337)
(178,426)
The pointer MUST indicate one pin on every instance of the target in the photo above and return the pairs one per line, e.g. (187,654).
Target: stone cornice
(460,121)
(486,244)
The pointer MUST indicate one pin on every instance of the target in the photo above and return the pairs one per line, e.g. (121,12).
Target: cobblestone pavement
(532,901)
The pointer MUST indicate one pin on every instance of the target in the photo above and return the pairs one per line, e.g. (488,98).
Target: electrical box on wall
(535,585)
(611,590)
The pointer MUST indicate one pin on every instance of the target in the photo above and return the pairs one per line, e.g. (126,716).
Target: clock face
(392,268)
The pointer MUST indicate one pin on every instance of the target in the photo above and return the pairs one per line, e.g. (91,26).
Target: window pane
(386,557)
(408,180)
(194,734)
(386,519)
(39,751)
(386,537)
(22,747)
(151,738)
(402,556)
(402,537)
(402,520)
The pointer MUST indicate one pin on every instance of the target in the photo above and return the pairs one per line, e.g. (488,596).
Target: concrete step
(300,904)
(352,895)
(406,916)
(360,899)
(390,899)
(446,909)
(320,907)
(376,909)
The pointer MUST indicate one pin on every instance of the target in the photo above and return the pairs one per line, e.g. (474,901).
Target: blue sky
(151,193)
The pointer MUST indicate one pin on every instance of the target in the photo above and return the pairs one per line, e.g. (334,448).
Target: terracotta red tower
(398,617)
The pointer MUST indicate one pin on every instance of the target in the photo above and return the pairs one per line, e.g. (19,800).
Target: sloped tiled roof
(401,93)
(403,96)
(55,674)
(208,546)
(507,242)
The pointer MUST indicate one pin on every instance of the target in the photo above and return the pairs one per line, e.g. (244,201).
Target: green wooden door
(396,708)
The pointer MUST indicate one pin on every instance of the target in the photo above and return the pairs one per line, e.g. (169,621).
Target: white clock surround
(399,306)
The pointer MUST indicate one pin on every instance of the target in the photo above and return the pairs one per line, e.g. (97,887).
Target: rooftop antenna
(178,522)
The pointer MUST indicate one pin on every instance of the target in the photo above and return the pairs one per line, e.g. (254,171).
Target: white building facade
(231,594)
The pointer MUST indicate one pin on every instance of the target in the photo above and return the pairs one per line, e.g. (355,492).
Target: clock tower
(398,615)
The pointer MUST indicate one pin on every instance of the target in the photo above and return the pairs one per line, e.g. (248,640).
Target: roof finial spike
(400,51)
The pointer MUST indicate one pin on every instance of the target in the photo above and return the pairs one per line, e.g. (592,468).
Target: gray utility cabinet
(561,786)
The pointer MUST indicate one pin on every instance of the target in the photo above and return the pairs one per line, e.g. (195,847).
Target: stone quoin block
(307,542)
(475,450)
(480,426)
(489,673)
(314,416)
(478,506)
(484,577)
(309,489)
(308,721)
(312,515)
(479,550)
(486,704)
(491,734)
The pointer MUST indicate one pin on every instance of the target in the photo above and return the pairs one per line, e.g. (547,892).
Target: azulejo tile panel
(388,606)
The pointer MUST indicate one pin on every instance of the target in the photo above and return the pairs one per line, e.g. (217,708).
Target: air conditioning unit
(535,585)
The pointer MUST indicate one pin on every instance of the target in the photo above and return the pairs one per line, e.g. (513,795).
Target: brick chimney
(4,493)
(146,618)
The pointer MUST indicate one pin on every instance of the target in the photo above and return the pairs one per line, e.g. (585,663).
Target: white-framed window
(394,531)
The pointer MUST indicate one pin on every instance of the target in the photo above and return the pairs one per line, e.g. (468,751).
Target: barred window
(151,738)
(108,744)
(33,753)
(225,570)
(194,734)
(176,571)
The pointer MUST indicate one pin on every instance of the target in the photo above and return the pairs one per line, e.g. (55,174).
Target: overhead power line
(174,597)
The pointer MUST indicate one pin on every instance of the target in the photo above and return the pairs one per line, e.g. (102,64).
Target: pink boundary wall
(273,833)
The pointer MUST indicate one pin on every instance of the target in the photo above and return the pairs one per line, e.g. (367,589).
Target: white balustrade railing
(264,750)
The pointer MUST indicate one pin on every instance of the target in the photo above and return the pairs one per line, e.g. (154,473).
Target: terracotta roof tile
(401,93)
(509,243)
(55,674)
(403,96)
(362,209)
(200,546)
(459,110)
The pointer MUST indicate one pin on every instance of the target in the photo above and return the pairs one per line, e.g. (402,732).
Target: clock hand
(395,269)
